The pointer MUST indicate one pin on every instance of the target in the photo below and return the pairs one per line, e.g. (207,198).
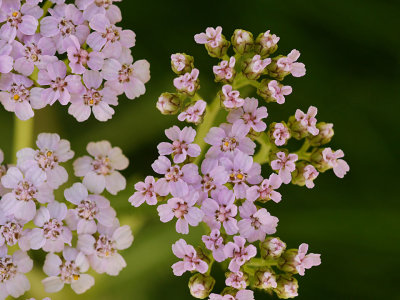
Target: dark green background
(351,51)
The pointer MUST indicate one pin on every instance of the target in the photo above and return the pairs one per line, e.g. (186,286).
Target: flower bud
(279,133)
(287,262)
(304,174)
(324,136)
(188,83)
(266,44)
(287,287)
(242,41)
(275,71)
(318,161)
(225,71)
(168,103)
(272,247)
(297,130)
(181,63)
(221,49)
(265,279)
(254,67)
(201,285)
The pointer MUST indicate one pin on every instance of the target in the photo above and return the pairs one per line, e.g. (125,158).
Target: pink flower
(257,65)
(182,144)
(240,295)
(6,61)
(17,20)
(236,280)
(220,209)
(225,69)
(80,59)
(194,113)
(310,173)
(190,260)
(52,151)
(228,139)
(285,164)
(12,273)
(281,134)
(215,243)
(255,224)
(304,261)
(50,233)
(89,209)
(269,40)
(61,86)
(144,193)
(91,8)
(12,232)
(214,176)
(35,51)
(231,97)
(102,250)
(101,171)
(340,167)
(242,170)
(278,91)
(187,83)
(239,253)
(308,120)
(289,64)
(275,247)
(93,98)
(69,269)
(266,190)
(108,38)
(176,179)
(27,188)
(184,210)
(17,95)
(66,21)
(251,114)
(178,61)
(211,37)
(126,76)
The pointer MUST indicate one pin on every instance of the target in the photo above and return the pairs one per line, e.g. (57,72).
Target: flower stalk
(23,135)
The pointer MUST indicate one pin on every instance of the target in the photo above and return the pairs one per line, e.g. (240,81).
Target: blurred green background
(351,51)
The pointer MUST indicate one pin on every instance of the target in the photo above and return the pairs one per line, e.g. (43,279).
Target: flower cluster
(74,54)
(223,175)
(81,233)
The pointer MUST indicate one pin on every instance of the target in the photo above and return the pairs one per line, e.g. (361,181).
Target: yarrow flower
(46,50)
(224,172)
(31,219)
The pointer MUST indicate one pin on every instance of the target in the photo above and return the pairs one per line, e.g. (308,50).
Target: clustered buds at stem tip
(31,218)
(213,174)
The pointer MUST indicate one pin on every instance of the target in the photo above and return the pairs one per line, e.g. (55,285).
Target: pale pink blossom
(145,192)
(251,114)
(309,174)
(239,253)
(194,113)
(281,134)
(308,120)
(225,69)
(231,98)
(91,8)
(285,164)
(240,295)
(268,280)
(290,64)
(266,190)
(188,82)
(190,260)
(278,91)
(215,243)
(257,65)
(304,261)
(236,280)
(211,37)
(340,167)
(269,40)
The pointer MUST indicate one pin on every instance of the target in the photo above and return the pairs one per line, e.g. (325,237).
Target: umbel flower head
(78,233)
(225,175)
(73,53)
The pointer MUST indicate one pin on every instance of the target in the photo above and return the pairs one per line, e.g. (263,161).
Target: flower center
(7,268)
(102,165)
(92,97)
(25,191)
(87,210)
(125,73)
(181,210)
(174,174)
(208,183)
(229,144)
(69,272)
(103,3)
(59,84)
(52,229)
(11,232)
(19,93)
(46,159)
(179,146)
(112,34)
(66,27)
(237,177)
(32,52)
(104,246)
(15,18)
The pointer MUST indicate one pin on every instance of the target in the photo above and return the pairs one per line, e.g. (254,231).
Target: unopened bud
(254,67)
(297,130)
(221,49)
(201,285)
(181,63)
(265,279)
(242,41)
(324,136)
(287,287)
(275,71)
(287,262)
(272,248)
(266,44)
(168,103)
(225,71)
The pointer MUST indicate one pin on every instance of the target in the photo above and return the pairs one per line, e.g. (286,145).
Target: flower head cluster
(224,174)
(31,218)
(35,37)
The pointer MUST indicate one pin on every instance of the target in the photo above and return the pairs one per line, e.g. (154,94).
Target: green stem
(23,135)
(302,152)
(262,156)
(209,118)
(46,7)
(259,262)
